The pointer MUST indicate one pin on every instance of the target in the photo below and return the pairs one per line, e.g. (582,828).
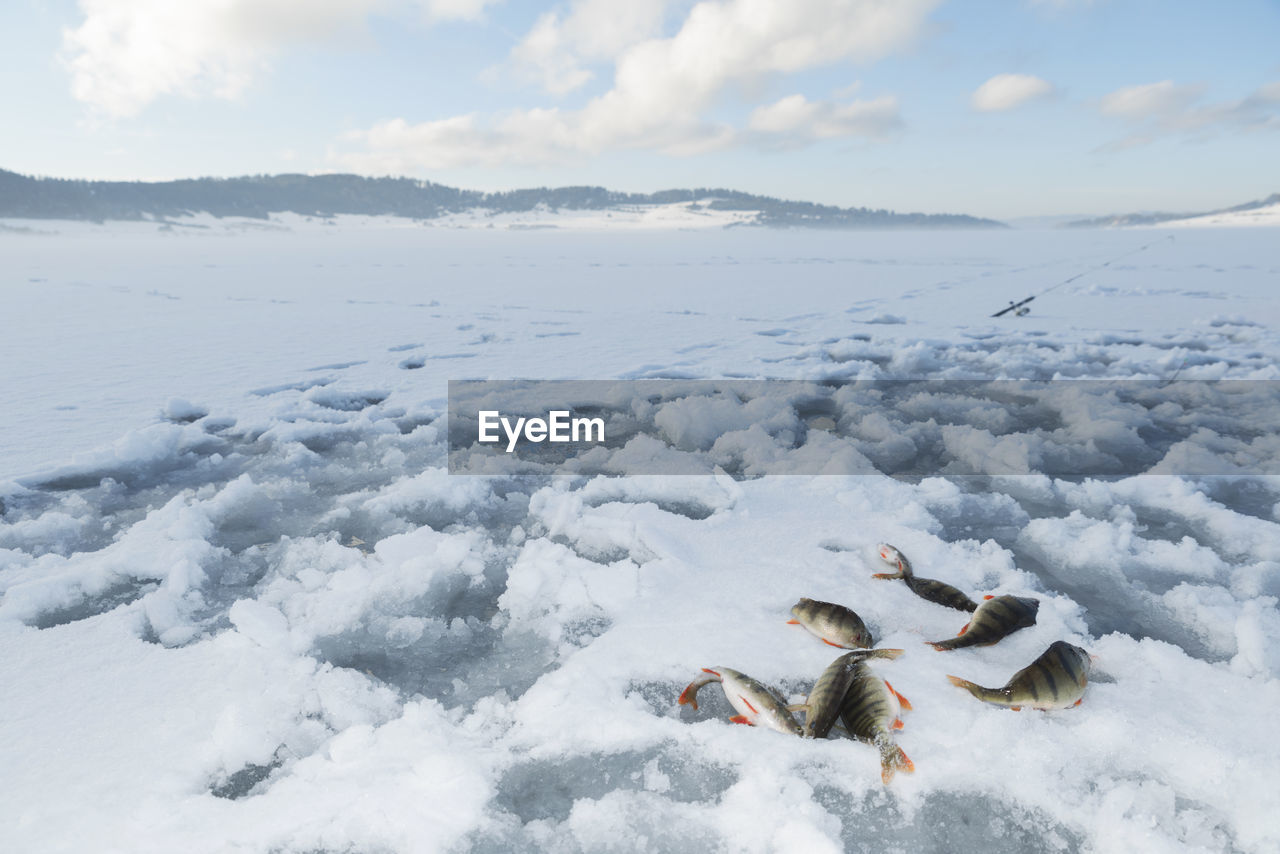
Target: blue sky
(1004,109)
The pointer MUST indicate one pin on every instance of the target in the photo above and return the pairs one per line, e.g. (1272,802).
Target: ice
(245,606)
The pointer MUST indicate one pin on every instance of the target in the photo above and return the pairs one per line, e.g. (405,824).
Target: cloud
(1156,110)
(796,120)
(1150,99)
(127,53)
(1006,91)
(455,10)
(554,52)
(664,88)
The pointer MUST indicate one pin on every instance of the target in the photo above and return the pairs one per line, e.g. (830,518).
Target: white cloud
(663,88)
(1150,99)
(455,10)
(1156,110)
(795,119)
(1006,91)
(127,53)
(555,51)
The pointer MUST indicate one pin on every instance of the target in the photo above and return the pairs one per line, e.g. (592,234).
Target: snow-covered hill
(1267,215)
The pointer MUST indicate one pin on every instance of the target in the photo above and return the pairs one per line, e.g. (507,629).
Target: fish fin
(888,653)
(1077,702)
(964,629)
(892,759)
(793,622)
(941,646)
(753,709)
(898,724)
(1016,708)
(988,596)
(740,719)
(798,707)
(709,670)
(887,575)
(829,643)
(902,701)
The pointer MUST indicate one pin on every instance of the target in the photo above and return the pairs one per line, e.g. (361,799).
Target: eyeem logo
(556,427)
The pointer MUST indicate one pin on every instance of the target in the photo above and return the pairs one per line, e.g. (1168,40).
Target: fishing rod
(1018,307)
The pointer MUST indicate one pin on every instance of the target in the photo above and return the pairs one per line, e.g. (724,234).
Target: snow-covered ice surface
(243,606)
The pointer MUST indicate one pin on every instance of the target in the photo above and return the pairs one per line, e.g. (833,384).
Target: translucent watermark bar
(902,428)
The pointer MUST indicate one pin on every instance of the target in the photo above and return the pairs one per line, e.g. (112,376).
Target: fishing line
(1014,306)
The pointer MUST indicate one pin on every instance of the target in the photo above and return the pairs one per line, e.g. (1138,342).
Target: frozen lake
(246,607)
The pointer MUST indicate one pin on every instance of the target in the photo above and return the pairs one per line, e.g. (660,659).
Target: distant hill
(1156,218)
(258,196)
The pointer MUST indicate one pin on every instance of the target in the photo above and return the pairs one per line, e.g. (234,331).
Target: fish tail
(945,645)
(689,696)
(892,760)
(987,695)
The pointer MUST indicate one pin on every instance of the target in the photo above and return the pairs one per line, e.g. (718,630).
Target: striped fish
(822,706)
(834,624)
(925,588)
(755,703)
(870,712)
(1055,680)
(996,617)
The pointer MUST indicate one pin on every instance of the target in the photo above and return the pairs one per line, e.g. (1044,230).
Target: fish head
(889,554)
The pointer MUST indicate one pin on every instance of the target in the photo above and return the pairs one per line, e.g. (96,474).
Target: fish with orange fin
(822,707)
(834,624)
(925,588)
(1055,680)
(756,704)
(997,617)
(870,711)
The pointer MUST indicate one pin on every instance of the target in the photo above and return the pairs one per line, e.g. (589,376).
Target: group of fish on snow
(867,705)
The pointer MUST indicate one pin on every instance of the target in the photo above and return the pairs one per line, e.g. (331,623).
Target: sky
(1006,109)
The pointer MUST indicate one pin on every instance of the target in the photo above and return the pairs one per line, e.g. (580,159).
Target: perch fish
(1055,680)
(997,617)
(925,588)
(835,624)
(822,707)
(756,704)
(870,712)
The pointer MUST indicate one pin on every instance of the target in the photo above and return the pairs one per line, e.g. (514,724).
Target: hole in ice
(546,789)
(91,606)
(347,401)
(413,364)
(946,821)
(242,782)
(455,663)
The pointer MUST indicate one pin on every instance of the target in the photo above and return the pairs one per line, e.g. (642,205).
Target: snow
(1266,216)
(245,606)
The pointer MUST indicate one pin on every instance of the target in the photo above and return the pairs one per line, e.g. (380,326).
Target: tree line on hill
(259,196)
